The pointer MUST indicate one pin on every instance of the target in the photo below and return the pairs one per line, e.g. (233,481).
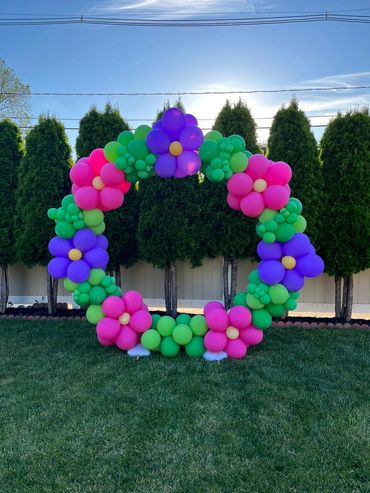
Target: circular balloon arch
(176,147)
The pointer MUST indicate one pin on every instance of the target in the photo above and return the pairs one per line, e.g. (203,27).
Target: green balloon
(238,162)
(218,175)
(52,213)
(297,203)
(195,348)
(151,339)
(155,319)
(291,304)
(253,302)
(208,150)
(198,325)
(65,230)
(111,150)
(142,131)
(125,137)
(94,313)
(238,142)
(97,295)
(84,287)
(98,229)
(138,148)
(95,277)
(285,232)
(182,334)
(300,225)
(166,325)
(278,294)
(169,347)
(183,318)
(240,299)
(67,200)
(269,237)
(69,285)
(94,217)
(261,318)
(254,277)
(214,135)
(276,310)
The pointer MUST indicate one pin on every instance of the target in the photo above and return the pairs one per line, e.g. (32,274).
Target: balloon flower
(263,184)
(289,263)
(126,318)
(174,139)
(230,332)
(76,257)
(97,183)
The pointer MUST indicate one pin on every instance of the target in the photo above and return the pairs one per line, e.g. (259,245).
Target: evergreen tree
(11,151)
(167,105)
(42,182)
(345,223)
(292,141)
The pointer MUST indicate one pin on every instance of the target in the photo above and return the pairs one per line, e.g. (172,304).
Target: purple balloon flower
(75,258)
(289,263)
(174,139)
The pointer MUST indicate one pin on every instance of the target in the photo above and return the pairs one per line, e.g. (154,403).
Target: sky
(86,58)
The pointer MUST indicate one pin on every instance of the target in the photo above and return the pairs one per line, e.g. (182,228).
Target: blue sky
(83,58)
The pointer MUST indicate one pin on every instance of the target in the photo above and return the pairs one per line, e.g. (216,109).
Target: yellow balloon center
(176,148)
(75,254)
(98,183)
(124,318)
(259,185)
(288,262)
(232,332)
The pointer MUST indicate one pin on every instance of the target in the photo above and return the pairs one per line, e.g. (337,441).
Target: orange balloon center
(74,254)
(232,332)
(176,148)
(288,262)
(98,183)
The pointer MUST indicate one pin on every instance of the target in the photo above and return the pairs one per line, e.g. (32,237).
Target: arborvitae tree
(167,222)
(42,182)
(11,151)
(237,119)
(292,141)
(345,222)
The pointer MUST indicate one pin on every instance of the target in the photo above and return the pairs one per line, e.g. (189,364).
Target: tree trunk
(117,275)
(234,279)
(225,281)
(349,300)
(4,288)
(52,291)
(338,292)
(173,273)
(343,310)
(167,291)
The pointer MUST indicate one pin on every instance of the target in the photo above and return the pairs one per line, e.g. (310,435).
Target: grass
(77,417)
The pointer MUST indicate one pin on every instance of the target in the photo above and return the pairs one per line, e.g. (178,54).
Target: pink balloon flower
(126,318)
(97,183)
(263,184)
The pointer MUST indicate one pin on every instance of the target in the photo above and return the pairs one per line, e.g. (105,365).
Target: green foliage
(11,151)
(97,128)
(345,223)
(43,182)
(14,96)
(167,219)
(292,141)
(237,119)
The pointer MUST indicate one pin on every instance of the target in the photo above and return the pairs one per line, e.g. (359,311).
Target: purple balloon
(191,138)
(179,173)
(299,245)
(84,239)
(189,162)
(269,251)
(60,247)
(158,141)
(271,271)
(165,166)
(310,265)
(293,281)
(173,121)
(97,258)
(102,242)
(190,120)
(78,271)
(57,267)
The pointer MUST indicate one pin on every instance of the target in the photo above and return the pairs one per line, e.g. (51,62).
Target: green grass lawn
(78,417)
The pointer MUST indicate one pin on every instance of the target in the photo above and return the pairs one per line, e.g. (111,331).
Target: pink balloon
(279,173)
(211,305)
(87,198)
(111,198)
(217,319)
(240,184)
(140,321)
(113,306)
(74,188)
(110,175)
(236,348)
(252,205)
(81,174)
(108,328)
(276,197)
(97,160)
(105,342)
(124,186)
(215,341)
(133,301)
(257,166)
(234,202)
(252,336)
(240,317)
(127,338)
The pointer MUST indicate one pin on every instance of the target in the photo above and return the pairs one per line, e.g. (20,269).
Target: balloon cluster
(175,147)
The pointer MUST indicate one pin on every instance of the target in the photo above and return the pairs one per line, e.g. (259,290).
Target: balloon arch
(176,147)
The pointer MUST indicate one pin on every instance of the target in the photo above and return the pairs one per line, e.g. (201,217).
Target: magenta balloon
(173,121)
(191,138)
(102,242)
(252,336)
(158,141)
(190,120)
(310,265)
(78,271)
(269,251)
(84,239)
(299,245)
(165,166)
(140,321)
(97,258)
(59,247)
(240,317)
(189,162)
(57,267)
(271,271)
(292,280)
(212,305)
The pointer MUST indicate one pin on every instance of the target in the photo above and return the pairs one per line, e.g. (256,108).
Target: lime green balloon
(98,229)
(214,135)
(300,225)
(111,150)
(183,318)
(208,150)
(240,299)
(169,347)
(151,339)
(238,162)
(138,149)
(94,313)
(238,142)
(142,131)
(97,295)
(276,310)
(94,217)
(198,325)
(125,137)
(182,334)
(69,285)
(253,302)
(65,230)
(261,318)
(267,215)
(285,232)
(278,294)
(166,325)
(95,277)
(155,319)
(195,348)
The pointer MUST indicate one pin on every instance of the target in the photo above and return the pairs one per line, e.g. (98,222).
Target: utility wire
(258,128)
